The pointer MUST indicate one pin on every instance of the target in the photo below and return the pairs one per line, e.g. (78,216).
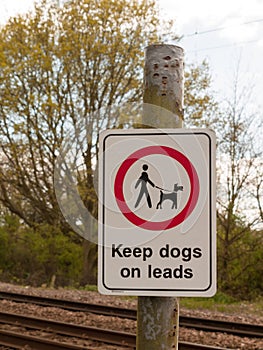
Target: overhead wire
(222,28)
(227,45)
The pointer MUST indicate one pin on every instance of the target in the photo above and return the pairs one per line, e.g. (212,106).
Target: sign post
(158,60)
(157,211)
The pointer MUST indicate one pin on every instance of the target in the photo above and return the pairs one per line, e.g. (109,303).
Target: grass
(90,288)
(224,303)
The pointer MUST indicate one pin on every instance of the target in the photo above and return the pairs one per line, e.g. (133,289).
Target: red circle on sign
(161,225)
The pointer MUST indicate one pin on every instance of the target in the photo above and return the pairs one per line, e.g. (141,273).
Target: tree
(201,108)
(239,177)
(239,160)
(58,65)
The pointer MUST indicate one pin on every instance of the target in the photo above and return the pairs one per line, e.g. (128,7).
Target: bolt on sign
(157,219)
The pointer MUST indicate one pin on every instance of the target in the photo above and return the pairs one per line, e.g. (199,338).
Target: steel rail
(209,325)
(234,328)
(105,310)
(72,330)
(10,338)
(16,340)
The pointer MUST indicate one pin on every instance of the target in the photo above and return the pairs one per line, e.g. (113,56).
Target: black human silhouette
(143,179)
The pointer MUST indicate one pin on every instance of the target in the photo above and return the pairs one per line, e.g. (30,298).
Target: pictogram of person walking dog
(170,195)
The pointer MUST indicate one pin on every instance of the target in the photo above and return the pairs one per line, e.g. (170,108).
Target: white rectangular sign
(157,217)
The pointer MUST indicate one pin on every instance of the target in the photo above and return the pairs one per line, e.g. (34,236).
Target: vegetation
(42,256)
(60,64)
(239,214)
(223,303)
(57,65)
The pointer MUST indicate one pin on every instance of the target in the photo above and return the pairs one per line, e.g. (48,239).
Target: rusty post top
(164,80)
(164,51)
(167,46)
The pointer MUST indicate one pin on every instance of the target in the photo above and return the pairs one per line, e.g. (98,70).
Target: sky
(226,33)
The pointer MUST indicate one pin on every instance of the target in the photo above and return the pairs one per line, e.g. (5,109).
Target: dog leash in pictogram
(163,189)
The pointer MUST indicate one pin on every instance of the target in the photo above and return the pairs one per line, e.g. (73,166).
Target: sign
(157,212)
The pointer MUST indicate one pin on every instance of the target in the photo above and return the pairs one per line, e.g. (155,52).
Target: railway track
(16,340)
(239,329)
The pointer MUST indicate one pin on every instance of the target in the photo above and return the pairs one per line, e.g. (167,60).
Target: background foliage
(38,256)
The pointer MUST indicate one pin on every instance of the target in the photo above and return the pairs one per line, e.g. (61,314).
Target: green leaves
(60,64)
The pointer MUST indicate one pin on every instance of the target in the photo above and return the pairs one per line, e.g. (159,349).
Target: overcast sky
(222,32)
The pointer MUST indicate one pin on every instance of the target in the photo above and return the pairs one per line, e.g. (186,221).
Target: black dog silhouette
(172,196)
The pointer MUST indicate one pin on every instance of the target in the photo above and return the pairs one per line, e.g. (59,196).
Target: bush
(35,256)
(240,267)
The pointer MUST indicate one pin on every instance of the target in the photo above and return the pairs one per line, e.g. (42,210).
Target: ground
(237,312)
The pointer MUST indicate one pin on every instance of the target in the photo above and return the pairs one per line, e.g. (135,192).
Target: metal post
(158,317)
